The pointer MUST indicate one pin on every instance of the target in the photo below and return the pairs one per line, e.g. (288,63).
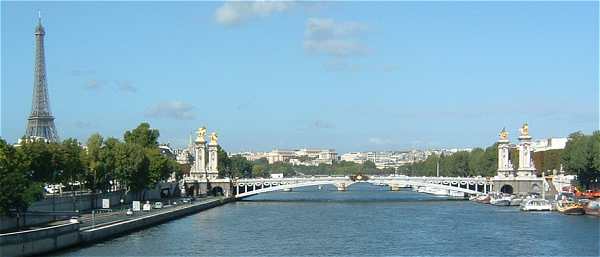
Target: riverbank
(54,238)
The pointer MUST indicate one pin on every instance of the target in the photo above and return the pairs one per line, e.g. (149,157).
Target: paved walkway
(117,214)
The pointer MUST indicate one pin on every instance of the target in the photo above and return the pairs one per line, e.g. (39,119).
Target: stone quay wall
(109,231)
(44,240)
(38,241)
(70,203)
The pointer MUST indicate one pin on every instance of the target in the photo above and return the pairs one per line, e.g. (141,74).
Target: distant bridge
(468,185)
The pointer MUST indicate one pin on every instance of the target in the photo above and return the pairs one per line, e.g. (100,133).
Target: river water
(366,220)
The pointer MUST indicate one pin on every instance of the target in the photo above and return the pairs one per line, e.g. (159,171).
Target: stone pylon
(40,123)
(199,168)
(526,166)
(505,167)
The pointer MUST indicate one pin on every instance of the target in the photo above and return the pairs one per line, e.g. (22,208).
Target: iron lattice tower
(40,122)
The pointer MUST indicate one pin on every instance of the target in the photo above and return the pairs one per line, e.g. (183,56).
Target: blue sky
(353,76)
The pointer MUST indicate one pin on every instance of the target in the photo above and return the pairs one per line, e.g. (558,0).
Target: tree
(131,166)
(44,160)
(259,172)
(96,177)
(108,160)
(223,162)
(596,150)
(74,162)
(369,165)
(17,190)
(240,167)
(476,162)
(578,157)
(143,135)
(159,168)
(490,161)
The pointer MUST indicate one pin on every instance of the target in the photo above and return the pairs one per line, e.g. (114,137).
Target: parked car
(158,205)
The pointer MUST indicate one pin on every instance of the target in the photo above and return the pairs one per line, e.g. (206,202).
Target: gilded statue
(503,134)
(201,134)
(525,130)
(213,138)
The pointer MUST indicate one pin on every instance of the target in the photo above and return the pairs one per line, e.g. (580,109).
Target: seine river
(366,220)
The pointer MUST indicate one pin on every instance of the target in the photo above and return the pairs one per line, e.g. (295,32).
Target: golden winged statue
(503,134)
(525,130)
(201,134)
(213,138)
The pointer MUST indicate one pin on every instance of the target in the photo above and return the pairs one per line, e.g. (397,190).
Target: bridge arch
(508,189)
(278,187)
(258,186)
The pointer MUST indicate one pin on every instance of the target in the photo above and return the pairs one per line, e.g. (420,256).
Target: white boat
(516,201)
(456,194)
(536,205)
(432,191)
(439,192)
(500,200)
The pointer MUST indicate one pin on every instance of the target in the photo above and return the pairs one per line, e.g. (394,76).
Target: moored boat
(569,208)
(536,205)
(592,208)
(483,199)
(516,201)
(500,200)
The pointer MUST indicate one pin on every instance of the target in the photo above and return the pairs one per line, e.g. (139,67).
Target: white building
(541,145)
(356,157)
(280,156)
(277,175)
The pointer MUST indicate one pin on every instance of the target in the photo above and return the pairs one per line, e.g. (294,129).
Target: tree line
(581,157)
(240,167)
(132,164)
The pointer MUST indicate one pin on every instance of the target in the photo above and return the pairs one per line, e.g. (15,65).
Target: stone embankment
(53,238)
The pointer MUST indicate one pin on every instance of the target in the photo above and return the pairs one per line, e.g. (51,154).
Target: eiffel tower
(40,123)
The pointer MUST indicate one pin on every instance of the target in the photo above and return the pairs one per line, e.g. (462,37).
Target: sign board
(136,206)
(105,203)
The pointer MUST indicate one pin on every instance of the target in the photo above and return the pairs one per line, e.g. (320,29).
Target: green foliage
(44,160)
(17,190)
(131,166)
(143,135)
(242,168)
(159,168)
(547,161)
(97,175)
(580,157)
(223,163)
(261,168)
(478,162)
(73,160)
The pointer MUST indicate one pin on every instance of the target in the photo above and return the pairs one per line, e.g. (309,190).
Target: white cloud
(94,84)
(232,13)
(330,37)
(379,141)
(171,109)
(323,124)
(126,86)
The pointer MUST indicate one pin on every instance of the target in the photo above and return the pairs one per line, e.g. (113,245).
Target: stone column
(526,167)
(505,168)
(212,169)
(199,168)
